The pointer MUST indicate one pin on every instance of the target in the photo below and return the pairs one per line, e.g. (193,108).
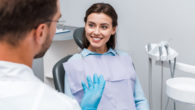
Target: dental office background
(142,22)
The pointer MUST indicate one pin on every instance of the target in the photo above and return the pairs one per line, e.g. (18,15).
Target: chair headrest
(78,36)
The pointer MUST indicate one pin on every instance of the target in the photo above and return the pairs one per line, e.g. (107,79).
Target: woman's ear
(113,30)
(41,33)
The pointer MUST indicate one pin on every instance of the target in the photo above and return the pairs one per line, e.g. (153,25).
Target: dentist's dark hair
(18,17)
(108,10)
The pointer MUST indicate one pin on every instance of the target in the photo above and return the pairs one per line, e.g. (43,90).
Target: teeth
(96,38)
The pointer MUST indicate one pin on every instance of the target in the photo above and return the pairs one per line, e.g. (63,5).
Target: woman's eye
(104,27)
(91,25)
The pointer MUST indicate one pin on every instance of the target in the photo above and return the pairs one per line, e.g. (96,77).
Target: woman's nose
(97,31)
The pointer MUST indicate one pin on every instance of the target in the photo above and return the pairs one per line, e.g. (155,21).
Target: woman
(123,90)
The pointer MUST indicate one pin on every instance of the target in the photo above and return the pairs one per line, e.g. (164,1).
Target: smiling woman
(100,19)
(123,90)
(98,30)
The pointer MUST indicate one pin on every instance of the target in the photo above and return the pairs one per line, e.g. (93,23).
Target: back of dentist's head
(18,17)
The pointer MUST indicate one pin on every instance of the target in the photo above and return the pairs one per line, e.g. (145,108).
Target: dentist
(26,31)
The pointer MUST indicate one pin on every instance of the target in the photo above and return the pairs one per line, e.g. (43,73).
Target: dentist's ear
(40,33)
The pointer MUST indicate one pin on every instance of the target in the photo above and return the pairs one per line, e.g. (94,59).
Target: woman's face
(98,30)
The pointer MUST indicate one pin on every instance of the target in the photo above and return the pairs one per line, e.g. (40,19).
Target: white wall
(142,22)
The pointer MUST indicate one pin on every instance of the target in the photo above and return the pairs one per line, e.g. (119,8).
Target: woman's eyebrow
(105,24)
(91,22)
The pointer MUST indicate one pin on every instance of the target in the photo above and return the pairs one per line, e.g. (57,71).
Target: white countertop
(65,36)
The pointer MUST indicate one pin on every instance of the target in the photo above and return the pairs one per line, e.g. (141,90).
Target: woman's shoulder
(75,56)
(121,53)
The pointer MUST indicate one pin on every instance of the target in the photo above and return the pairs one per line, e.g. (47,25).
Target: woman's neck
(98,50)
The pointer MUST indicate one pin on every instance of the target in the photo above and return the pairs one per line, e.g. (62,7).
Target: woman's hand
(92,93)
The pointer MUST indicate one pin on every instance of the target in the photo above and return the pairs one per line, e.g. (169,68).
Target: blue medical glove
(92,93)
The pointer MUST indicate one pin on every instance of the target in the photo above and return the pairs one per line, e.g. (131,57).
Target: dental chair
(58,69)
